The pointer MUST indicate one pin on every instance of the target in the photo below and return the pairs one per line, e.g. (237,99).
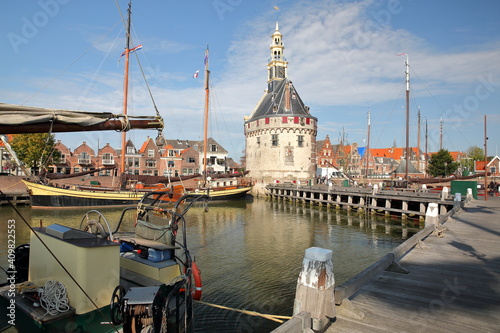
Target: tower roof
(281,99)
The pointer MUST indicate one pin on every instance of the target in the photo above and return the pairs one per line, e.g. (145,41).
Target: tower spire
(277,65)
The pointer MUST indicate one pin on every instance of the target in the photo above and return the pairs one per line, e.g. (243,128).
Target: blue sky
(342,60)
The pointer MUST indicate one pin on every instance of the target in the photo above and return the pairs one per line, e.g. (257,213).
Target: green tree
(36,150)
(472,154)
(441,164)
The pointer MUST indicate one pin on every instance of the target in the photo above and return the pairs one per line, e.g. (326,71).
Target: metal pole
(485,162)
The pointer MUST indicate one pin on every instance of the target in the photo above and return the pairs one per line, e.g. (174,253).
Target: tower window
(300,140)
(274,140)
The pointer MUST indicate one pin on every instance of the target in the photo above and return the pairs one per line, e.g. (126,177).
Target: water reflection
(250,252)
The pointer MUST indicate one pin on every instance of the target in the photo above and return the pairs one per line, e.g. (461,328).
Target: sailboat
(216,188)
(103,277)
(22,119)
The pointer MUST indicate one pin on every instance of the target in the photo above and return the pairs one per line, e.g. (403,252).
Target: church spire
(277,65)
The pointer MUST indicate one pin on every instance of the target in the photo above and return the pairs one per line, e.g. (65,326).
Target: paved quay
(453,284)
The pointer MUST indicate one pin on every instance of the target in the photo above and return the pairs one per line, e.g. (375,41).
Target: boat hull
(226,194)
(43,196)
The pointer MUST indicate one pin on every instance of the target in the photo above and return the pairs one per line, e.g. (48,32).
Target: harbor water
(250,251)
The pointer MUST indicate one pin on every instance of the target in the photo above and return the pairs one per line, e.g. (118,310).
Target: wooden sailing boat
(216,188)
(99,278)
(19,119)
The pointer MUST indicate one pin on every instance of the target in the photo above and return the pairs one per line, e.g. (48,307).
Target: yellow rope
(275,318)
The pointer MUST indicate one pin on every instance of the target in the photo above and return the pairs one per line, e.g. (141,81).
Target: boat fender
(196,293)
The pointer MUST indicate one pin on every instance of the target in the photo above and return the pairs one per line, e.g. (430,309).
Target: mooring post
(469,194)
(432,214)
(445,193)
(315,288)
(457,199)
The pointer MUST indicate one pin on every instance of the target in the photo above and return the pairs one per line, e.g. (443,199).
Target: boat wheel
(92,222)
(116,306)
(95,228)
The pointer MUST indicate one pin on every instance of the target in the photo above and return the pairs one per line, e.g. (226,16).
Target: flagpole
(485,162)
(407,115)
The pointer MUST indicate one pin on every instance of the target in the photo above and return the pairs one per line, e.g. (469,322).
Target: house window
(107,159)
(133,162)
(150,163)
(191,160)
(171,164)
(171,153)
(300,140)
(151,153)
(130,150)
(274,140)
(213,147)
(258,140)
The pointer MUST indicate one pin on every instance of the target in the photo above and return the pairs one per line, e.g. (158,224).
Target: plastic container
(159,255)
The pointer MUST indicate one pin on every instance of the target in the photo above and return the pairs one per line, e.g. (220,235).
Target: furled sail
(17,119)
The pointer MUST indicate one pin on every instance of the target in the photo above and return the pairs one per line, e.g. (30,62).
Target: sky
(342,59)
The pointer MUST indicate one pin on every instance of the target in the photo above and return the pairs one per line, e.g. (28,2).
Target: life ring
(196,292)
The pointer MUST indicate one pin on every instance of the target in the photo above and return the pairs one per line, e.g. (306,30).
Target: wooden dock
(452,285)
(13,191)
(375,201)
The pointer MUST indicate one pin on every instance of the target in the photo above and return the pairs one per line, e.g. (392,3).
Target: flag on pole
(205,61)
(401,54)
(195,75)
(137,48)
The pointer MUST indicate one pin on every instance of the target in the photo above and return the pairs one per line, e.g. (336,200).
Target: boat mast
(367,152)
(407,115)
(426,142)
(205,126)
(441,134)
(125,87)
(418,141)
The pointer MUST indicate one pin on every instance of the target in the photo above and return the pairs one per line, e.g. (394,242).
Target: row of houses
(175,158)
(356,161)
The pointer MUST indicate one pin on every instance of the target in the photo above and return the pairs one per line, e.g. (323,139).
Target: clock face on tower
(280,72)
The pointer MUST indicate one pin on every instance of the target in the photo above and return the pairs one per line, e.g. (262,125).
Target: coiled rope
(53,298)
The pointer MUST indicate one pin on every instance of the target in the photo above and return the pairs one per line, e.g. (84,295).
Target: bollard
(432,214)
(445,193)
(457,199)
(315,287)
(469,194)
(375,189)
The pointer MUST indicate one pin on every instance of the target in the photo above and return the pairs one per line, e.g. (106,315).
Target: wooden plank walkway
(453,284)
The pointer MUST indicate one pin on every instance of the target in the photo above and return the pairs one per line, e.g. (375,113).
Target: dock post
(445,193)
(469,194)
(457,200)
(432,214)
(315,288)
